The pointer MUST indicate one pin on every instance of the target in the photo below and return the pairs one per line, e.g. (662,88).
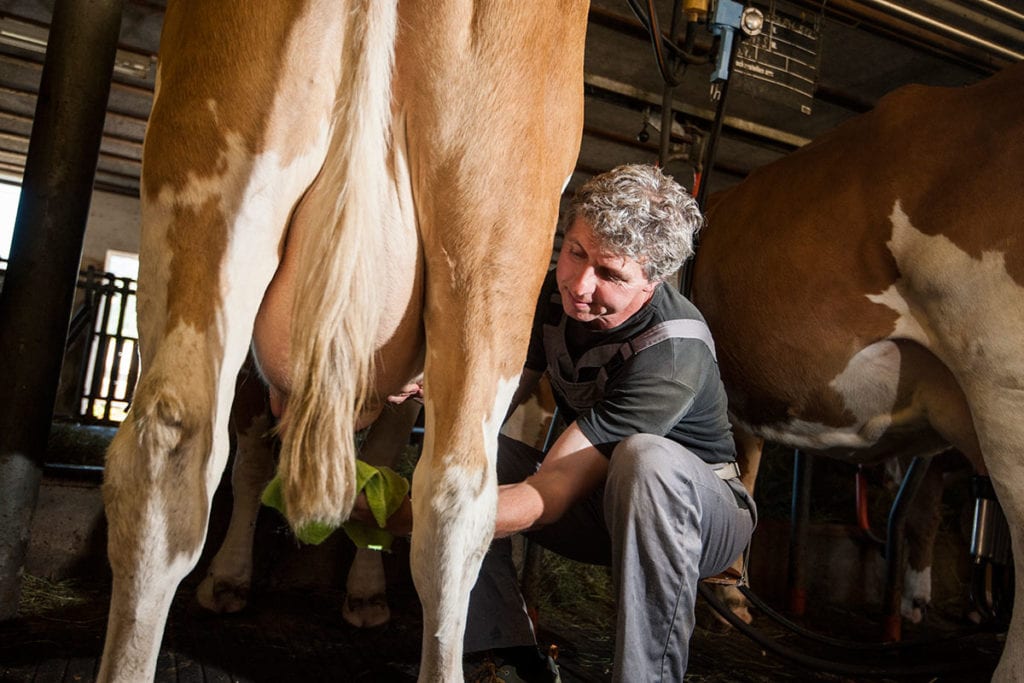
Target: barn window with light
(101,362)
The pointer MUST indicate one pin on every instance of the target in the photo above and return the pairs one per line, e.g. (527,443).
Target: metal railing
(101,358)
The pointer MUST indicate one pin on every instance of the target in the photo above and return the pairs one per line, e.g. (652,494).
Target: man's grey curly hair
(637,211)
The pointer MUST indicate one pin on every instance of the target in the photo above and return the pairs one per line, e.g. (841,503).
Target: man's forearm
(520,507)
(572,469)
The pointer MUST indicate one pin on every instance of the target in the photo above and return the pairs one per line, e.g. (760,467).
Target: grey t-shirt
(671,389)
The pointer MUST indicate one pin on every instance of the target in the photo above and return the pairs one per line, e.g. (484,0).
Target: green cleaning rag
(385,490)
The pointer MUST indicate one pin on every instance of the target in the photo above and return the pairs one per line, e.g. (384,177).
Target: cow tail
(334,319)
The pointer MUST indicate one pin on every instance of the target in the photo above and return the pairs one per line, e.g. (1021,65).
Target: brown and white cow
(867,292)
(387,175)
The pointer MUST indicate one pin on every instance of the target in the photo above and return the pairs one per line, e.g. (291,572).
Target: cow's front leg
(166,461)
(922,529)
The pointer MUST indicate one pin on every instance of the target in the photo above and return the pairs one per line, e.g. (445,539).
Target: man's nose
(583,281)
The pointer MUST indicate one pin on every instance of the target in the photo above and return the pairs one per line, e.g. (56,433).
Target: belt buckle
(728,471)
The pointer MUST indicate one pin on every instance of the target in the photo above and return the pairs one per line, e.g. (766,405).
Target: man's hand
(413,390)
(571,470)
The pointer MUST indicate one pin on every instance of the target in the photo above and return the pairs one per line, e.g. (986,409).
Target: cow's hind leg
(366,603)
(225,589)
(454,502)
(486,215)
(168,456)
(477,336)
(227,156)
(166,461)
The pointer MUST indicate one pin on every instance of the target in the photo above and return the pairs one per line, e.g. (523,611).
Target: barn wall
(113,224)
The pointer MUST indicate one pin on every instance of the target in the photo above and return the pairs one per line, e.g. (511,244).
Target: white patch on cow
(868,386)
(492,425)
(259,215)
(917,594)
(199,190)
(976,310)
(967,311)
(908,325)
(211,104)
(974,305)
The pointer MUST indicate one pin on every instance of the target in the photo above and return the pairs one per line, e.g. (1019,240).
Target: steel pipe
(907,33)
(996,8)
(983,20)
(39,288)
(922,20)
(800,516)
(785,141)
(896,547)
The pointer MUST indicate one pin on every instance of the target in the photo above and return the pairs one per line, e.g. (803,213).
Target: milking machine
(991,593)
(991,584)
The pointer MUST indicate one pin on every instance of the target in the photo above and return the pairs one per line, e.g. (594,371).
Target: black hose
(707,163)
(827,665)
(803,632)
(649,20)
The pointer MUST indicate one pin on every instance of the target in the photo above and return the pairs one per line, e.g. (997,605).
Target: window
(122,264)
(9,196)
(113,361)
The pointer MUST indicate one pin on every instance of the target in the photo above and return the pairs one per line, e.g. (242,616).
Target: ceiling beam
(773,137)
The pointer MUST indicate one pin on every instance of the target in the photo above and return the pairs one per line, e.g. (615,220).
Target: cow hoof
(914,611)
(366,612)
(222,596)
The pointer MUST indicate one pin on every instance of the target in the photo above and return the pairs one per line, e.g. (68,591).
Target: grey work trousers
(662,521)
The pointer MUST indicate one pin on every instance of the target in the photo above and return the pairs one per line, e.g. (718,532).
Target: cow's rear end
(260,115)
(867,292)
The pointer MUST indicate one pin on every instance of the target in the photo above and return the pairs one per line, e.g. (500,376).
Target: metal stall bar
(36,301)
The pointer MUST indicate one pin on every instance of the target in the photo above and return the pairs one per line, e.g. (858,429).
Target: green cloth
(385,490)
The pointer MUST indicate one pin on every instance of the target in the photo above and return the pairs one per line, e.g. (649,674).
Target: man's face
(599,288)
